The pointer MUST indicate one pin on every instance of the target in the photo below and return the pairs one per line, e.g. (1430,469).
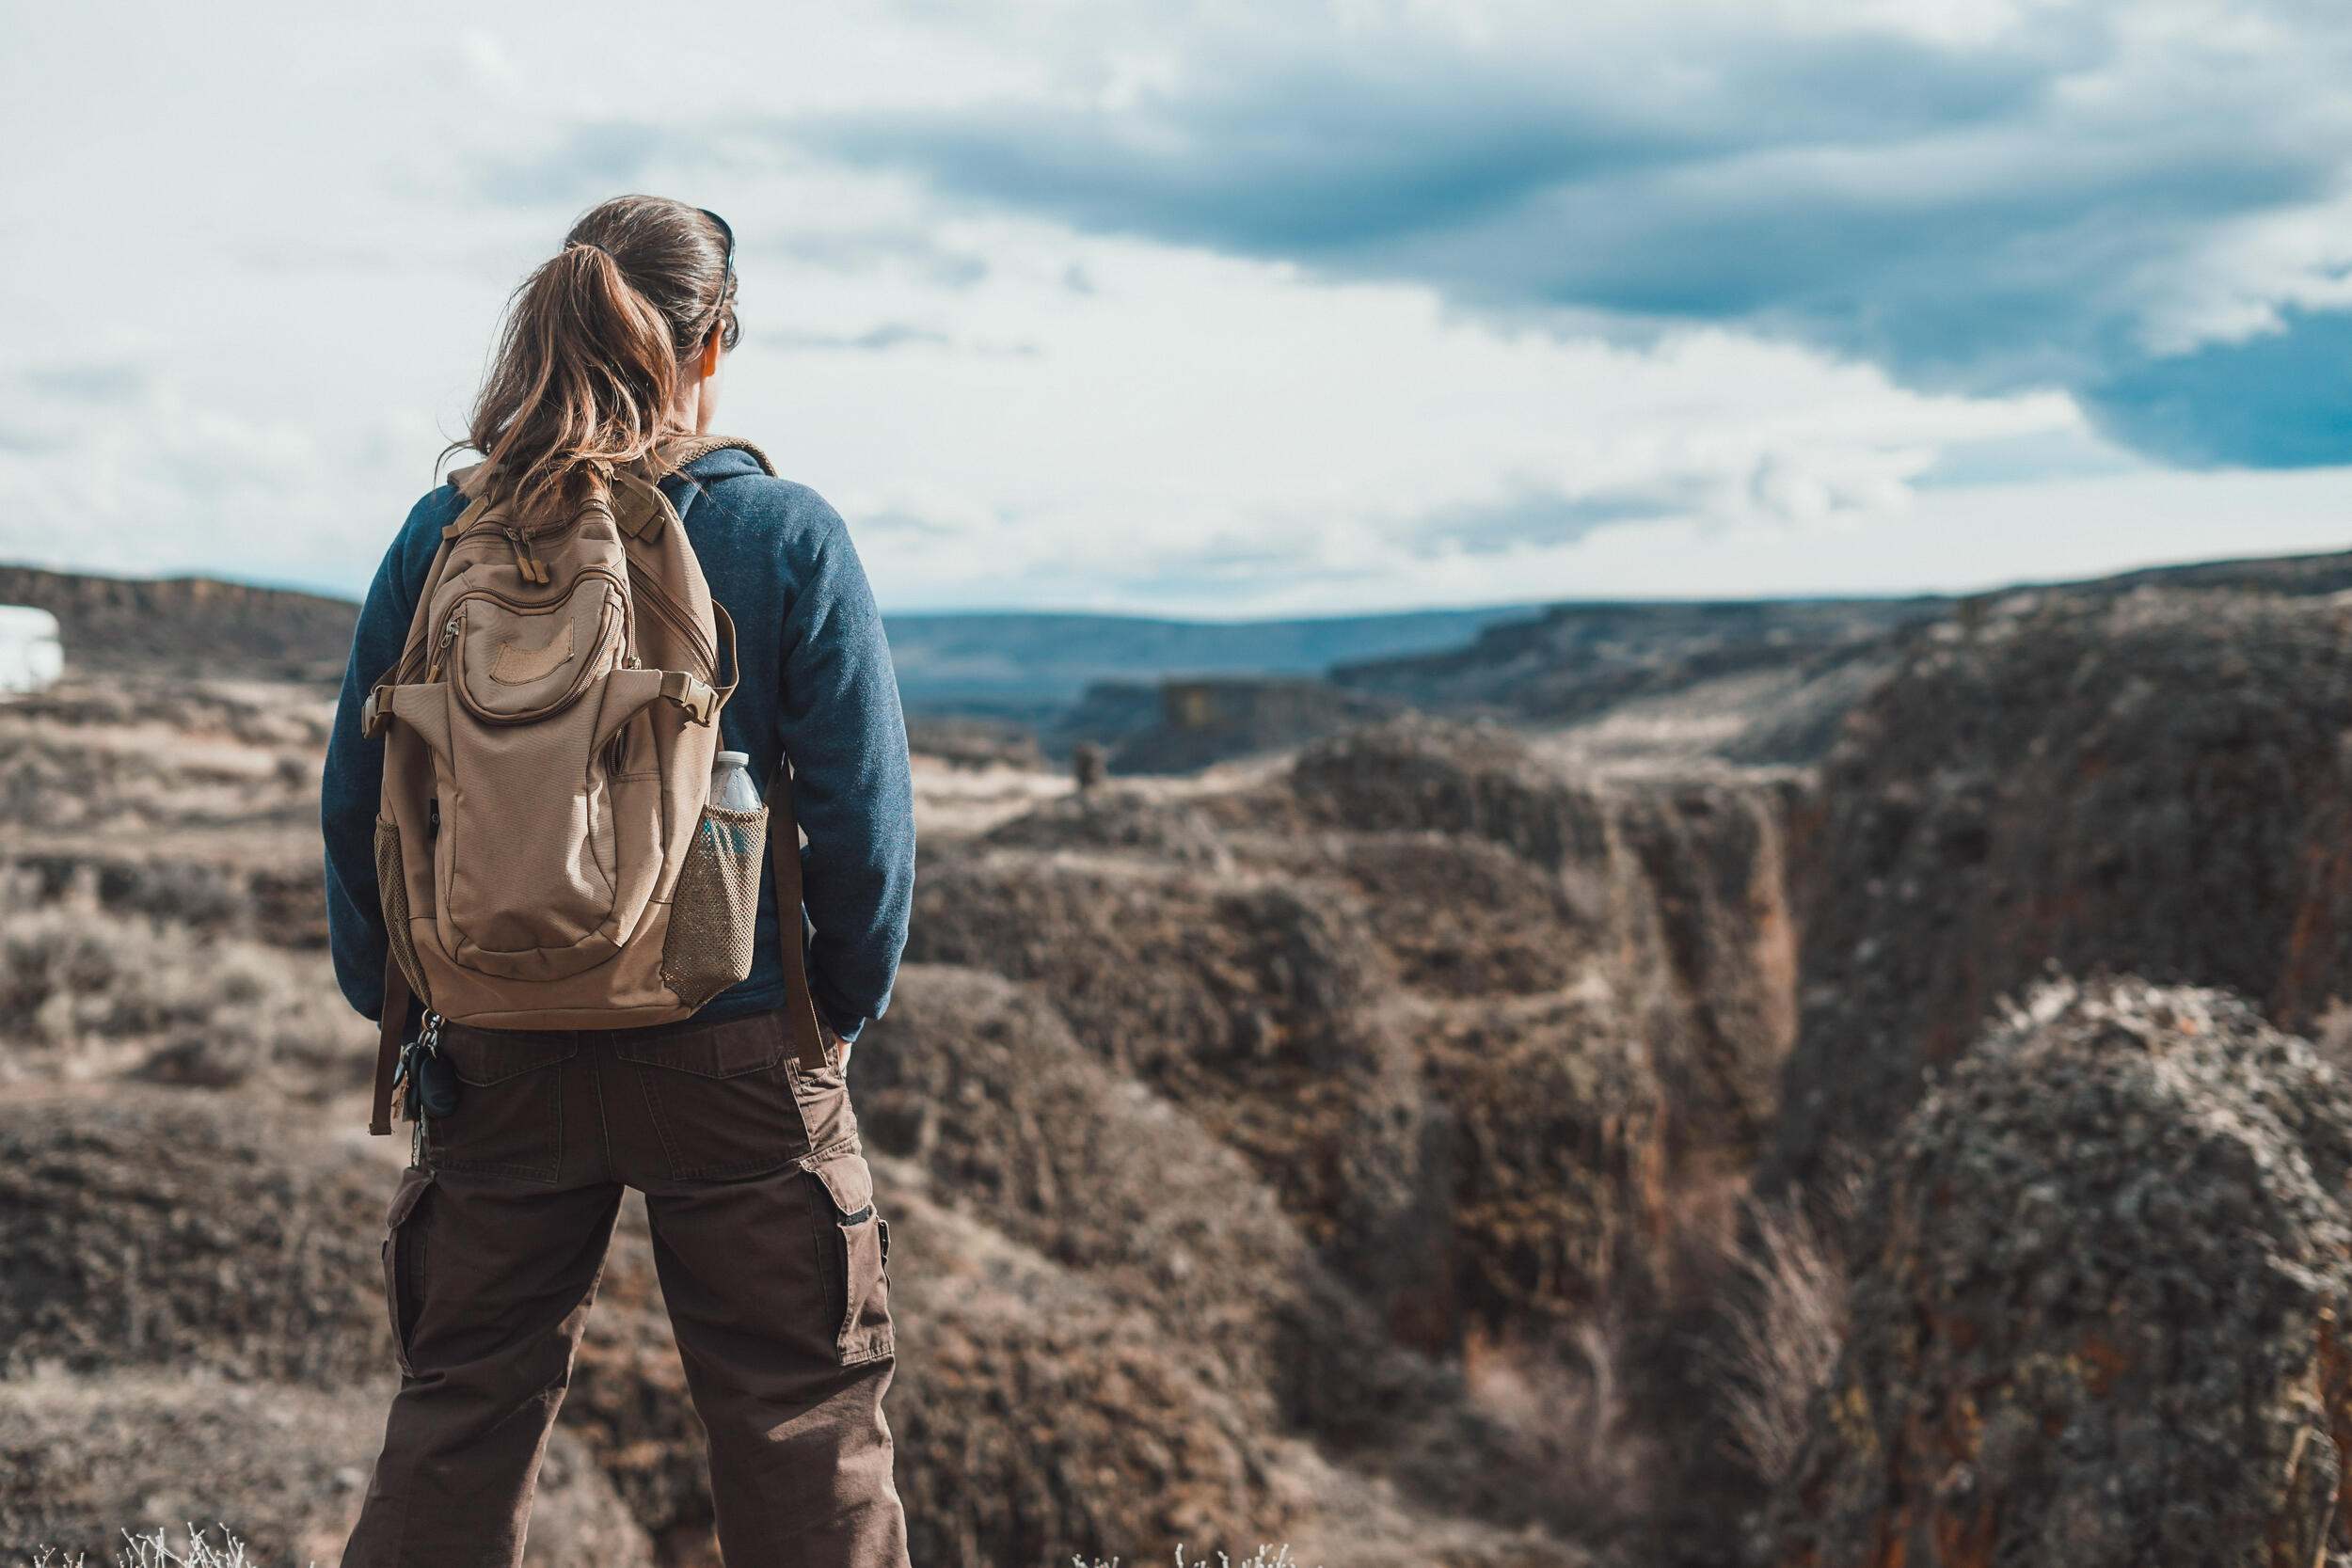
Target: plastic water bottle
(731,789)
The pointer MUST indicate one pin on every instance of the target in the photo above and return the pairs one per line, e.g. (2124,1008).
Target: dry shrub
(155,1551)
(1566,1404)
(98,995)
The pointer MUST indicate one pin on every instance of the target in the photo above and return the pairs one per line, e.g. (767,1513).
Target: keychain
(430,1080)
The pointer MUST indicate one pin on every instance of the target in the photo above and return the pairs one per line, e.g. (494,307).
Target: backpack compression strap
(784,856)
(389,1031)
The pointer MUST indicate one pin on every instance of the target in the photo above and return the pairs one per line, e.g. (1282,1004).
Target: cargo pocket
(854,1252)
(403,1262)
(509,1119)
(715,910)
(391,884)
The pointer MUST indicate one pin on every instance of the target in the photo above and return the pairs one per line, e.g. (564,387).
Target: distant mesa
(188,626)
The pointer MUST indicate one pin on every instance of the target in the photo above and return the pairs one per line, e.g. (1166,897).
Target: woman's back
(816,685)
(509,646)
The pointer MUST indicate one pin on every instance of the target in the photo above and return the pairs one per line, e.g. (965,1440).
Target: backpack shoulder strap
(639,507)
(679,451)
(783,858)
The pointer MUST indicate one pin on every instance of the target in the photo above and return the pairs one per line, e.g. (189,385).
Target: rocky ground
(1620,1141)
(1133,1333)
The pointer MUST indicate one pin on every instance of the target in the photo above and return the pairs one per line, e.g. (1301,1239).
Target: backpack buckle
(691,694)
(375,714)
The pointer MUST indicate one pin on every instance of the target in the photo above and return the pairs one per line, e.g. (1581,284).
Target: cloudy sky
(1229,308)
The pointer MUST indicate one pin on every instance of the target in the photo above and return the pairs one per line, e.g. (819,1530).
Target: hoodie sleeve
(841,725)
(351,788)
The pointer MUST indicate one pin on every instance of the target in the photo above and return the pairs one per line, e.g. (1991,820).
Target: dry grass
(197,1551)
(1787,1325)
(155,1551)
(1267,1556)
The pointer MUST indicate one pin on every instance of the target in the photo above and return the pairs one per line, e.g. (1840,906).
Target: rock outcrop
(1037,1418)
(2156,783)
(2103,1282)
(981,1083)
(188,624)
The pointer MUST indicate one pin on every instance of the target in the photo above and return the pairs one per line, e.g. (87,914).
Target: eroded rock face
(2105,1274)
(1472,1017)
(1672,891)
(2156,784)
(1242,999)
(1124,1238)
(979,1082)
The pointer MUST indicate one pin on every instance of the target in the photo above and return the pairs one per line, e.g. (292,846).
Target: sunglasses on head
(726,316)
(727,230)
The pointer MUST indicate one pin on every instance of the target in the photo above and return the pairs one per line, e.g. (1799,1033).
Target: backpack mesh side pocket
(392,885)
(714,915)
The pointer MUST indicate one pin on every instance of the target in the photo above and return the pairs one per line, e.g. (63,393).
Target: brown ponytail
(587,367)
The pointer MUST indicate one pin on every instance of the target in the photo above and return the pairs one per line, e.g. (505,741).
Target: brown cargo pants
(770,1257)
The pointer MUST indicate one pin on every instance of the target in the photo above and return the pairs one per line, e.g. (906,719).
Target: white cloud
(272,248)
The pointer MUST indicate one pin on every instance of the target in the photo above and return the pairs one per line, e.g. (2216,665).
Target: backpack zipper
(678,617)
(449,635)
(527,561)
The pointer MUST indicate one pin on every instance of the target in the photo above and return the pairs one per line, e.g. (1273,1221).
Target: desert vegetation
(1906,1125)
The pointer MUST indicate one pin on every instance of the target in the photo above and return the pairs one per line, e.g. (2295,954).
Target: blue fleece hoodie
(817,684)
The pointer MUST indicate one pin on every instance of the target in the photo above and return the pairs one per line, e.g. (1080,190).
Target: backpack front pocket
(514,663)
(526,861)
(714,913)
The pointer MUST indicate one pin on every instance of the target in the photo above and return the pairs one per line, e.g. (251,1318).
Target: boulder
(2102,1278)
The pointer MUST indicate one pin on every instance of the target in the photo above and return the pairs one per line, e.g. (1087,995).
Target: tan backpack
(544,851)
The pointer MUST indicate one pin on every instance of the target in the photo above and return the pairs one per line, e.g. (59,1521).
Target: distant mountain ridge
(1009,662)
(1572,659)
(1018,662)
(1553,663)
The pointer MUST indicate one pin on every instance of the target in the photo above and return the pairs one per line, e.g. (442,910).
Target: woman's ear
(712,348)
